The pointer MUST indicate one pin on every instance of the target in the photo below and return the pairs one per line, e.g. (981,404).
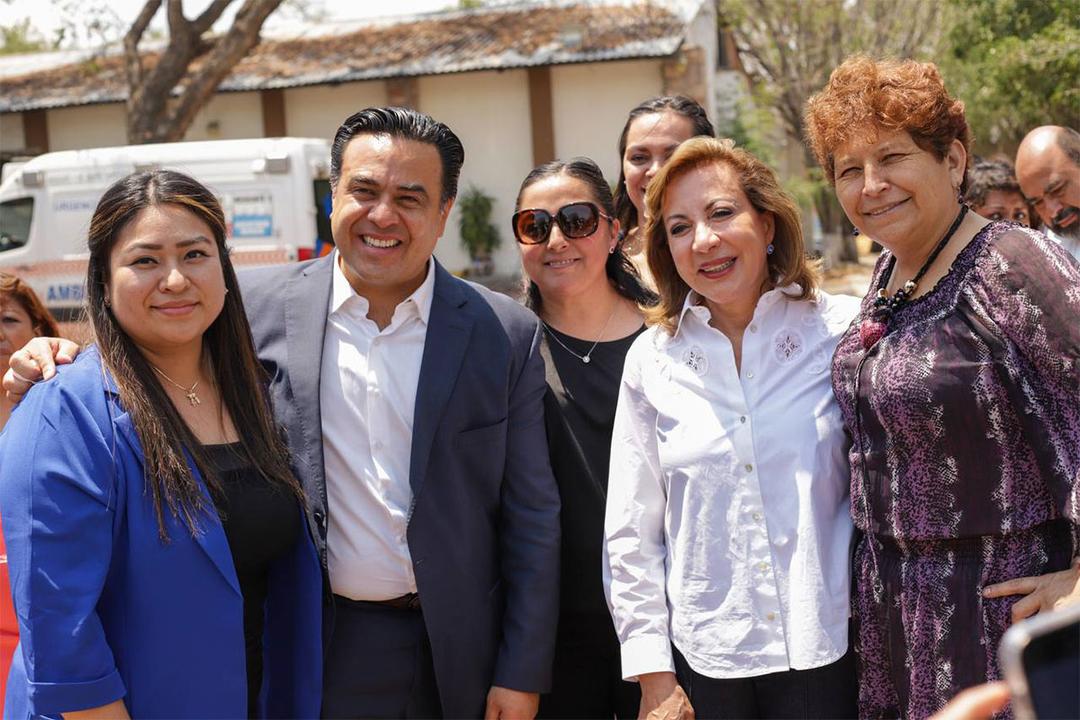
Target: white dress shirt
(1071,244)
(367,396)
(728,529)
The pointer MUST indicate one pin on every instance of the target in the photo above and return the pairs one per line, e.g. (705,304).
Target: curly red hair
(864,95)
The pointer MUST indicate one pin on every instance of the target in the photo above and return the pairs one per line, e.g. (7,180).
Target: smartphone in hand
(1040,657)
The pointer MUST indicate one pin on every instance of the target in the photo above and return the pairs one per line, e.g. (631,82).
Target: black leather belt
(409,601)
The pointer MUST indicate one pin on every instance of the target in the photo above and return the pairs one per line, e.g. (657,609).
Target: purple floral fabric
(965,462)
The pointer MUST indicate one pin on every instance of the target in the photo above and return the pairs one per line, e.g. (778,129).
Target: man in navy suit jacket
(412,402)
(479,505)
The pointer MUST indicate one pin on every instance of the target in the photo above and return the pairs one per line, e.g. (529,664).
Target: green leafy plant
(478,235)
(1015,65)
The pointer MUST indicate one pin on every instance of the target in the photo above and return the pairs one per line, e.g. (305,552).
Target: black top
(579,414)
(261,523)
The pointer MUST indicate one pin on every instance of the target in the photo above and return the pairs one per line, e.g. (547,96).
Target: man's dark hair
(407,124)
(1069,142)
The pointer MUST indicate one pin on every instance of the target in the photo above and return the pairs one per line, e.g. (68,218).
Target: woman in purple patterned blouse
(959,385)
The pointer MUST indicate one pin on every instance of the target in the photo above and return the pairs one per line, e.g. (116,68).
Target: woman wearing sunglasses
(587,294)
(728,532)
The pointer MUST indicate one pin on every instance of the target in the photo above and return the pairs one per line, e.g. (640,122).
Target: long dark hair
(620,271)
(164,436)
(678,104)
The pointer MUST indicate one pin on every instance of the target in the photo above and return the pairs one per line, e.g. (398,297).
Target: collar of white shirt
(1071,244)
(695,304)
(342,292)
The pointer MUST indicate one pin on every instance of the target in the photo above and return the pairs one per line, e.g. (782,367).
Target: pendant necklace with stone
(192,397)
(587,357)
(874,327)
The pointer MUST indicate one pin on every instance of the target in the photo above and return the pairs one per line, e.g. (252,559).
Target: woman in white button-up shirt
(728,532)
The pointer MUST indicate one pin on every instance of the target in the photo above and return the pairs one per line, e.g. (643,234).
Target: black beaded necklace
(874,327)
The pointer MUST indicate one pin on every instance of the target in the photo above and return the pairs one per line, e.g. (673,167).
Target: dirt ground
(850,278)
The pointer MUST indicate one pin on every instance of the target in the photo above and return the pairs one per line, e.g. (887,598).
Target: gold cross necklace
(190,392)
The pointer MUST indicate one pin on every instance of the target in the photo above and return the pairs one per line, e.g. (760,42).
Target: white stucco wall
(87,126)
(489,111)
(12,138)
(590,104)
(228,116)
(318,111)
(702,33)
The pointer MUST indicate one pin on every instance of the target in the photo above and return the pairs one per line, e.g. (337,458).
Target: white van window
(15,217)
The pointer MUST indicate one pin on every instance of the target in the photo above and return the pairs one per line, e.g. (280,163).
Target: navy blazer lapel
(444,350)
(307,299)
(211,535)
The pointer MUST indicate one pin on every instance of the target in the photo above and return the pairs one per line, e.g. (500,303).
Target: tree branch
(227,51)
(133,66)
(210,15)
(174,11)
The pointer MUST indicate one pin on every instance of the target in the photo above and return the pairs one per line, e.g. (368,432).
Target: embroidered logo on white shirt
(694,358)
(788,344)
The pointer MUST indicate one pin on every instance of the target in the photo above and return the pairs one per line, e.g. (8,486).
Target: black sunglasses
(576,220)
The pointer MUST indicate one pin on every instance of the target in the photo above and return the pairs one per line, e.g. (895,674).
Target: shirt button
(753,328)
(757,517)
(742,419)
(764,567)
(749,467)
(770,616)
(750,375)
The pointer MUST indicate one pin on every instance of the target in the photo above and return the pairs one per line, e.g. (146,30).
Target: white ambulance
(275,193)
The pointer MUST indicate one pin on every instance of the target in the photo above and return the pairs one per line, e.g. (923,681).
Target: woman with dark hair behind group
(586,293)
(958,386)
(994,192)
(156,534)
(653,129)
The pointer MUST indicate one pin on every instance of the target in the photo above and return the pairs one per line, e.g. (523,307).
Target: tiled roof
(484,39)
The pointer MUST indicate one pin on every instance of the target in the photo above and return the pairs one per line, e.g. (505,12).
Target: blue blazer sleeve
(58,495)
(529,532)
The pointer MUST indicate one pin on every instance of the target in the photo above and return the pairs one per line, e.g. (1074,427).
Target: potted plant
(478,235)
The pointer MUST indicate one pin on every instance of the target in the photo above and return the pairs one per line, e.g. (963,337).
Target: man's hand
(1042,592)
(662,698)
(510,704)
(981,702)
(37,360)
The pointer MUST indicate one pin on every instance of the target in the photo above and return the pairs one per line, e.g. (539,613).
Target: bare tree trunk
(793,45)
(164,98)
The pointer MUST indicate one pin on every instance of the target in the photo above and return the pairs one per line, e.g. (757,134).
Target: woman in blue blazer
(161,564)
